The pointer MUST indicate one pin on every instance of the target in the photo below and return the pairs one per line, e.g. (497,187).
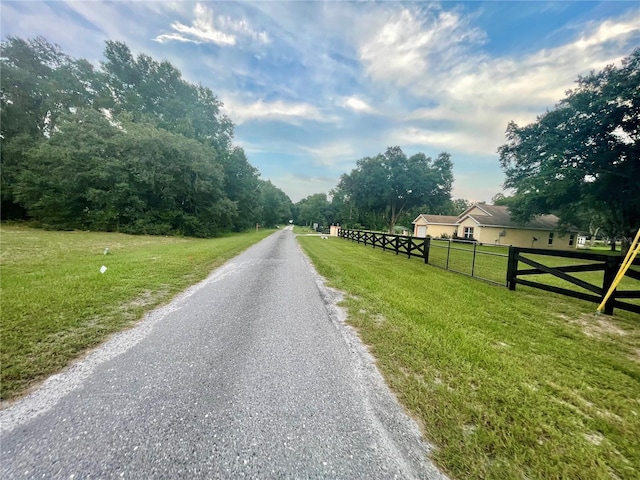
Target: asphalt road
(249,374)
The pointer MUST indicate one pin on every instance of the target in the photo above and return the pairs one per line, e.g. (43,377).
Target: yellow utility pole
(626,263)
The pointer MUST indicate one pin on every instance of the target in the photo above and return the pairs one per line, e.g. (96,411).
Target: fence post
(611,266)
(397,244)
(512,267)
(473,259)
(448,255)
(425,249)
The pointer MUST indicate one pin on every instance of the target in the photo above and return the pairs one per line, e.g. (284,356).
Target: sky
(313,86)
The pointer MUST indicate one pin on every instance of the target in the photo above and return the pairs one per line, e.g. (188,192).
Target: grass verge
(506,385)
(56,303)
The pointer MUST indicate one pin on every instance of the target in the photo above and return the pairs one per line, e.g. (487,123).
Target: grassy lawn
(56,303)
(506,385)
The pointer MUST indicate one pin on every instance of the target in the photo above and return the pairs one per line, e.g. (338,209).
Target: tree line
(386,191)
(130,146)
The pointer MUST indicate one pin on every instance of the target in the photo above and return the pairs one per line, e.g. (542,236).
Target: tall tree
(582,155)
(390,184)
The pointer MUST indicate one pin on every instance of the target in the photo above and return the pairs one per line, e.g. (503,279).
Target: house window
(468,232)
(572,238)
(550,242)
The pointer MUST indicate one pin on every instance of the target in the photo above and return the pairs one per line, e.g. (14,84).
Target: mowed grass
(506,385)
(56,304)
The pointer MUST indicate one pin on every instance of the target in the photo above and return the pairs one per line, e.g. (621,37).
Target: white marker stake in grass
(103,269)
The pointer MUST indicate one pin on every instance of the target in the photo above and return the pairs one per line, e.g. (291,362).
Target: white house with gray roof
(492,224)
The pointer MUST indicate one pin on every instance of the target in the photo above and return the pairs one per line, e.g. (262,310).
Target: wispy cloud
(206,28)
(241,111)
(301,186)
(331,154)
(412,42)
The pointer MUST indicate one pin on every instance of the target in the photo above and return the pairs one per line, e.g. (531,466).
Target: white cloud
(295,113)
(166,37)
(206,28)
(356,104)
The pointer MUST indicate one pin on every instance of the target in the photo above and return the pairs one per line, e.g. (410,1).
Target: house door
(422,231)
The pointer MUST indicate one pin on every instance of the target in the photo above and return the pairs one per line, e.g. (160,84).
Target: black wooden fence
(420,247)
(400,244)
(594,293)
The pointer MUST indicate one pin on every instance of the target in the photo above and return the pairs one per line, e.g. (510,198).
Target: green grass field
(506,385)
(56,303)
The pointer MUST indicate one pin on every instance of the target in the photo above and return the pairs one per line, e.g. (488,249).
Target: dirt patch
(594,437)
(468,429)
(146,298)
(598,326)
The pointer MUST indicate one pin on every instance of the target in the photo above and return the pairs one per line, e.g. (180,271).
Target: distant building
(492,224)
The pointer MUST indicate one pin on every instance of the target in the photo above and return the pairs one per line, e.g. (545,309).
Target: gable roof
(499,216)
(438,219)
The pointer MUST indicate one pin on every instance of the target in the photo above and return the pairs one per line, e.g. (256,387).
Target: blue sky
(314,86)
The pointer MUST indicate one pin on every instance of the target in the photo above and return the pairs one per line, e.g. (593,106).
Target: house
(492,224)
(436,226)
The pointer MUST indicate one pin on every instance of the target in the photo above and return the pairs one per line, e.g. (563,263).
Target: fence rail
(400,244)
(594,292)
(487,263)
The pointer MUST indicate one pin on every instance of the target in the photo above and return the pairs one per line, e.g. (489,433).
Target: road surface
(249,374)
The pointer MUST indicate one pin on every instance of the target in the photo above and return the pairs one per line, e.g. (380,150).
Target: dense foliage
(130,147)
(383,189)
(581,160)
(315,208)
